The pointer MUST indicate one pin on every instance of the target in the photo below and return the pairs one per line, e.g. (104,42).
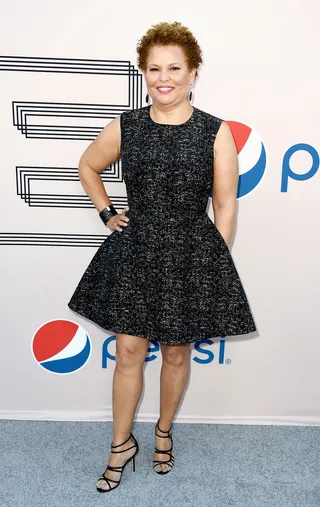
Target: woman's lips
(165,89)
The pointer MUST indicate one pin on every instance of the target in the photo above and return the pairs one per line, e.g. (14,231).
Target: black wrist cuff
(107,213)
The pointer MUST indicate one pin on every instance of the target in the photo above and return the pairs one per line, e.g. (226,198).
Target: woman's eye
(172,68)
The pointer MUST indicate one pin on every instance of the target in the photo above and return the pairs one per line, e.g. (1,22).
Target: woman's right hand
(118,220)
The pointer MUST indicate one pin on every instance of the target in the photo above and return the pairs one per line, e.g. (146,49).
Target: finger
(113,226)
(122,218)
(120,224)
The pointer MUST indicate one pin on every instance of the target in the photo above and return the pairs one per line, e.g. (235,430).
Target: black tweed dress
(169,276)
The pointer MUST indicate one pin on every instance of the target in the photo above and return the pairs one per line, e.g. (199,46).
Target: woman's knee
(131,351)
(175,355)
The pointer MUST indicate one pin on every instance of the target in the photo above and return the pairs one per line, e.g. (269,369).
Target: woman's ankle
(120,440)
(164,426)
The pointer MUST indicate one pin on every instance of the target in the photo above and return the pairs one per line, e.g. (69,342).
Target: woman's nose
(164,76)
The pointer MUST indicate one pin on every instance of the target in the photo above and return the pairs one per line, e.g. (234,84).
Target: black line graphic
(50,239)
(25,175)
(25,112)
(65,121)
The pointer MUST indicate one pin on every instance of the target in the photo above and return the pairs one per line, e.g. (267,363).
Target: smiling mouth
(165,89)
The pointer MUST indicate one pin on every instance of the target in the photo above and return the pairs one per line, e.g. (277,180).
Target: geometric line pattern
(48,239)
(65,121)
(64,65)
(81,66)
(25,175)
(24,114)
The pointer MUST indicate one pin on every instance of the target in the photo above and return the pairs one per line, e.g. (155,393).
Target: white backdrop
(64,74)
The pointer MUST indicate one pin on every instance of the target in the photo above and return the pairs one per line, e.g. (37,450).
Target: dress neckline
(189,120)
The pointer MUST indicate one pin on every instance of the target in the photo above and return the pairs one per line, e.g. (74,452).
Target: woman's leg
(131,352)
(173,380)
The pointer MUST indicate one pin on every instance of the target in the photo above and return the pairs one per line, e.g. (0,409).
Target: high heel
(170,461)
(118,469)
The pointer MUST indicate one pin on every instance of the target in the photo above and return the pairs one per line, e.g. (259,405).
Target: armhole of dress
(121,132)
(214,134)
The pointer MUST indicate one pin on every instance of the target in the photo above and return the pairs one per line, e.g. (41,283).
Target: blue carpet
(56,464)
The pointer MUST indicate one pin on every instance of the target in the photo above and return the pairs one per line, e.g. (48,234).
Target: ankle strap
(157,426)
(114,446)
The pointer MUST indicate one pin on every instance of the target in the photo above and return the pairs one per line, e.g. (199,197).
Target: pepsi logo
(61,346)
(251,155)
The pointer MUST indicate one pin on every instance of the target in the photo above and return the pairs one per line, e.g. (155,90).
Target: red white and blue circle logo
(251,155)
(61,346)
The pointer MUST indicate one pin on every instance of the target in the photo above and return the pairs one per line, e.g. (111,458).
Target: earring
(190,95)
(147,98)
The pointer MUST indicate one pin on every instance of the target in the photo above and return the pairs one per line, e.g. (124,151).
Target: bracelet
(107,213)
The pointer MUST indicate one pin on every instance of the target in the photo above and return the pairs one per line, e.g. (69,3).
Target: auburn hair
(170,34)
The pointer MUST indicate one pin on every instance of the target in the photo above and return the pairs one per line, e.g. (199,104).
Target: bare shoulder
(105,149)
(111,131)
(224,139)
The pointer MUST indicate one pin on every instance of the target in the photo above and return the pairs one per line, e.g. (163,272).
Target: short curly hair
(167,34)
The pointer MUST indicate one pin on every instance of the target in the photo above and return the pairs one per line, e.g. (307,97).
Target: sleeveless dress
(169,275)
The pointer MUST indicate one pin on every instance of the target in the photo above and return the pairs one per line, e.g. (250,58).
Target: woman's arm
(102,152)
(225,182)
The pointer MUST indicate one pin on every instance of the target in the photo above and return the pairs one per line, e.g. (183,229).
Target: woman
(165,273)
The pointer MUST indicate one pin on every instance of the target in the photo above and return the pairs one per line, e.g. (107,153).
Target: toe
(102,485)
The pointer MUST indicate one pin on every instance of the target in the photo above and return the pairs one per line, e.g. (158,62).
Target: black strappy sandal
(118,469)
(170,461)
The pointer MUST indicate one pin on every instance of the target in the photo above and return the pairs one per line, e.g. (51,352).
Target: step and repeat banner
(64,75)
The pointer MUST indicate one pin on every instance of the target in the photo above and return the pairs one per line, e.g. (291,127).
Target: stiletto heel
(118,469)
(170,461)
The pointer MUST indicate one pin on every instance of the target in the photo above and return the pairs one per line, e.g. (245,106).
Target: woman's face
(167,75)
